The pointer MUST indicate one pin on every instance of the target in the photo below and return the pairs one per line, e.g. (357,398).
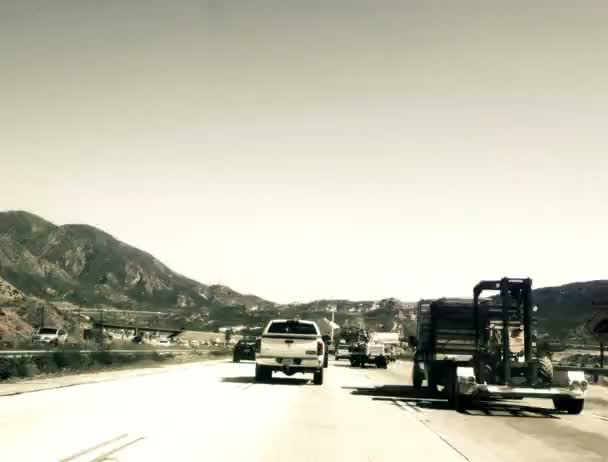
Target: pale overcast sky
(308,149)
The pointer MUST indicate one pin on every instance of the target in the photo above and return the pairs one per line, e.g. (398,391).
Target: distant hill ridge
(84,265)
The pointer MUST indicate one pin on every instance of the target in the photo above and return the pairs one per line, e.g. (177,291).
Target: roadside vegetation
(70,361)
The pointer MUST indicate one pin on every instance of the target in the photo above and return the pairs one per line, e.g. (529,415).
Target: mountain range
(84,266)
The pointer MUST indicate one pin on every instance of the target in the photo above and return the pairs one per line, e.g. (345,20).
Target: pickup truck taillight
(258,345)
(319,348)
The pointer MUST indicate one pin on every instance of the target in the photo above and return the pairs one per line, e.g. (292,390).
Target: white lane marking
(406,407)
(413,410)
(106,455)
(94,448)
(600,416)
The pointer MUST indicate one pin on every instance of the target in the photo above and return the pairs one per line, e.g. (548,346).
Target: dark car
(244,350)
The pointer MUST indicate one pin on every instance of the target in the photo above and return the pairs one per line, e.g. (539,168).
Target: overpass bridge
(100,325)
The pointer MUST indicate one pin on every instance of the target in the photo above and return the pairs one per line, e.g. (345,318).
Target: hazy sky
(308,149)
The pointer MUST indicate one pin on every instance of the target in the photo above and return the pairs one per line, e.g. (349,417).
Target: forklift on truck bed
(483,349)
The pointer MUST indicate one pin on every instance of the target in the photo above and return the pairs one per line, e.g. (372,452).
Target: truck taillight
(319,348)
(258,345)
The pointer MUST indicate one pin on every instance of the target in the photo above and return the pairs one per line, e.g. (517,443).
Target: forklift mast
(513,292)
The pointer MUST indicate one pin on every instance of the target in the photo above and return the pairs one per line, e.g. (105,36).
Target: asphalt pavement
(216,412)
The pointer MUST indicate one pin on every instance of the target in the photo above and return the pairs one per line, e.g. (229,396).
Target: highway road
(215,412)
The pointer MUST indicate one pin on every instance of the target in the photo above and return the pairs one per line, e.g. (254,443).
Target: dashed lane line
(414,411)
(106,455)
(93,448)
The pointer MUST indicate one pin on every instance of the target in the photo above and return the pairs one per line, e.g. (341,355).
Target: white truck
(49,336)
(370,352)
(290,346)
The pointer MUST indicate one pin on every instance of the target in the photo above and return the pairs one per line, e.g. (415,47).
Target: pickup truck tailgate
(289,345)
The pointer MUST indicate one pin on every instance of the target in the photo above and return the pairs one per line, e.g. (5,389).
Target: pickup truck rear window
(292,328)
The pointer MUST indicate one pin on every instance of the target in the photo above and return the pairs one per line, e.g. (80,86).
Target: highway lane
(215,412)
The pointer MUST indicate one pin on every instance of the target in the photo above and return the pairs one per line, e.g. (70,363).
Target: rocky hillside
(9,295)
(564,310)
(84,265)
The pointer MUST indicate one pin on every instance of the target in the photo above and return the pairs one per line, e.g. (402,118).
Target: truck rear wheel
(318,378)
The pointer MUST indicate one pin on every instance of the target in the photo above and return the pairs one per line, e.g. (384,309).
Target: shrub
(103,357)
(8,368)
(71,360)
(44,363)
(126,358)
(25,367)
(218,352)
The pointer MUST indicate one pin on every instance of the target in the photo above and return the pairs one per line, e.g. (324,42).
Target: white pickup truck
(49,336)
(290,346)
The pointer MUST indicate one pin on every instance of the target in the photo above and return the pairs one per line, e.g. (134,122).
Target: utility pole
(333,316)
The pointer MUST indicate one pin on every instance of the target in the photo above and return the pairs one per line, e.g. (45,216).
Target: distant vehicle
(138,339)
(480,349)
(164,341)
(368,352)
(244,350)
(342,351)
(49,336)
(290,346)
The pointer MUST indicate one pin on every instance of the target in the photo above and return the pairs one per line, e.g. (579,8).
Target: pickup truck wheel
(318,378)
